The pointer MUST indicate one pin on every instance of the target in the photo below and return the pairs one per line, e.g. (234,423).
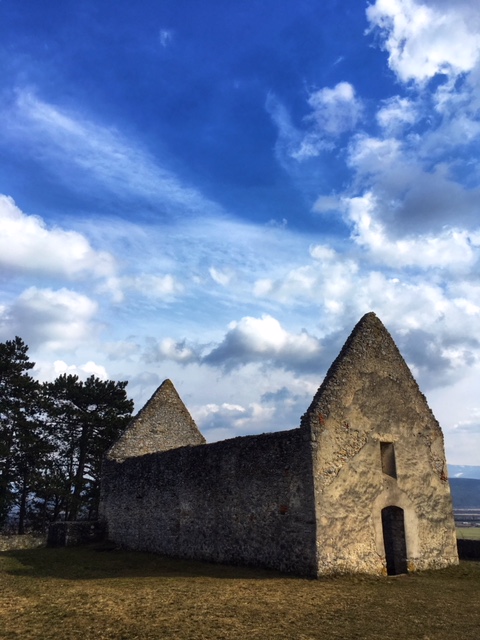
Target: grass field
(468,533)
(64,594)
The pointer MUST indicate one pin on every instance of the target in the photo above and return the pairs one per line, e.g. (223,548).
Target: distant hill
(465,493)
(463,471)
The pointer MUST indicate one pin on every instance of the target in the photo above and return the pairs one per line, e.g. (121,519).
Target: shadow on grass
(95,562)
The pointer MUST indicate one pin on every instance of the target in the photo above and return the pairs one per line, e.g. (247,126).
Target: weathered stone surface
(248,500)
(369,396)
(163,423)
(308,500)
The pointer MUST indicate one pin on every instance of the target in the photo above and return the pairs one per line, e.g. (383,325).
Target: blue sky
(216,192)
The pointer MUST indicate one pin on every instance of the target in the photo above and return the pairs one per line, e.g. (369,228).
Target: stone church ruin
(360,486)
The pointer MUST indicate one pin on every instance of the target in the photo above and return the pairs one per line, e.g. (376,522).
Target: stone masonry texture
(248,500)
(163,423)
(307,501)
(369,396)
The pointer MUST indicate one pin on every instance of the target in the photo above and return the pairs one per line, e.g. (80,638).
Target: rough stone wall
(25,541)
(163,423)
(248,500)
(369,396)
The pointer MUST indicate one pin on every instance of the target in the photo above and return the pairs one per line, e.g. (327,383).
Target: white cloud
(460,416)
(27,245)
(378,156)
(49,371)
(328,282)
(414,192)
(56,320)
(169,349)
(226,420)
(454,250)
(335,111)
(222,278)
(396,114)
(264,340)
(424,39)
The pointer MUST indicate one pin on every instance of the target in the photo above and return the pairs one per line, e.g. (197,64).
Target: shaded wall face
(248,500)
(378,445)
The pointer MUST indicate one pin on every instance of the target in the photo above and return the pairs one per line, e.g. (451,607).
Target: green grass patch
(468,533)
(82,593)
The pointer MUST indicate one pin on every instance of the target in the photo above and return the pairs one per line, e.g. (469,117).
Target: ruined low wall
(248,500)
(73,533)
(27,541)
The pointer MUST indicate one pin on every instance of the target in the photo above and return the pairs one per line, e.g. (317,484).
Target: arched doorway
(394,540)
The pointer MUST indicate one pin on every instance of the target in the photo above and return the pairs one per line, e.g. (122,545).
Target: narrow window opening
(387,452)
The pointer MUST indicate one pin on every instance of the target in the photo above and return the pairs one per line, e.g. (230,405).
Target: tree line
(53,436)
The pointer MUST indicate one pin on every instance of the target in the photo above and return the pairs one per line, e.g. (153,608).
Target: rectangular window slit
(387,452)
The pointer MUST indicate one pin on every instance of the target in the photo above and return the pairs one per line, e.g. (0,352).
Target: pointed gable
(369,378)
(163,423)
(370,393)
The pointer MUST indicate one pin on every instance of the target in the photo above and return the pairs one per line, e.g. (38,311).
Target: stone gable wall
(247,500)
(369,396)
(163,423)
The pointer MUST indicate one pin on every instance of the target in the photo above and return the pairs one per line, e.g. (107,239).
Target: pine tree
(86,418)
(22,443)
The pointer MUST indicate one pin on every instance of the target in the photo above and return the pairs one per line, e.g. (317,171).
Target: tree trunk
(23,504)
(78,480)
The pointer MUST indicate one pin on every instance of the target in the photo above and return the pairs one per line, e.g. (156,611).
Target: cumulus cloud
(427,38)
(396,114)
(27,245)
(265,340)
(169,349)
(454,250)
(413,194)
(60,319)
(226,420)
(90,368)
(49,371)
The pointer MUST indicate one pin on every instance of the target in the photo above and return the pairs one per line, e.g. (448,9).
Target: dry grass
(468,533)
(64,594)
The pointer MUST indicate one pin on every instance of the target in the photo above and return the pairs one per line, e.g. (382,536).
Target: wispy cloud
(165,37)
(333,111)
(75,148)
